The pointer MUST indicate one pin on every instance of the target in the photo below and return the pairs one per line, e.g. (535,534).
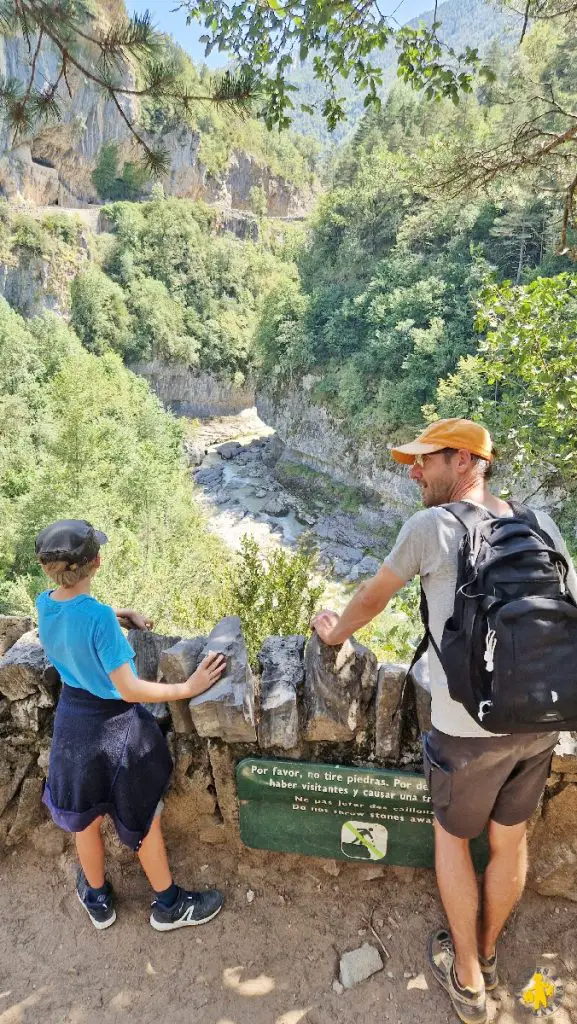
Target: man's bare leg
(504,881)
(460,895)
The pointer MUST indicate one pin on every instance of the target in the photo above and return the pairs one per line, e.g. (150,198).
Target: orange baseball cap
(453,433)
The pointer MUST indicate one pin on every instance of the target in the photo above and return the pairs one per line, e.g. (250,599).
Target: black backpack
(509,650)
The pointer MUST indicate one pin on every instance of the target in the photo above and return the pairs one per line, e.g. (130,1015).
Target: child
(108,754)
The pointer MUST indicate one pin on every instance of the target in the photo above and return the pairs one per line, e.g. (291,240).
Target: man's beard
(434,494)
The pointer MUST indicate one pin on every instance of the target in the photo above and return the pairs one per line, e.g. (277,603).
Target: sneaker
(188,908)
(469,1005)
(100,908)
(489,971)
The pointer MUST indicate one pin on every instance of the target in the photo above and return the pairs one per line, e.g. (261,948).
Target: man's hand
(129,619)
(324,624)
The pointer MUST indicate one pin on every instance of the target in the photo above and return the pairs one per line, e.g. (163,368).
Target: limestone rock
(229,449)
(339,682)
(282,673)
(176,664)
(12,627)
(227,709)
(24,669)
(368,566)
(147,647)
(277,505)
(29,812)
(359,964)
(554,846)
(11,778)
(389,721)
(209,477)
(565,756)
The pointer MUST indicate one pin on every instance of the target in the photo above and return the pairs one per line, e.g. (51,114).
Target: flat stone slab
(388,713)
(12,627)
(339,682)
(175,665)
(24,669)
(226,711)
(359,964)
(282,674)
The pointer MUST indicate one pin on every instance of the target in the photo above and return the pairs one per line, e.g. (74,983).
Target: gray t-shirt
(428,546)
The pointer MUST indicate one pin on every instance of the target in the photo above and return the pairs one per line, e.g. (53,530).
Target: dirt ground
(268,959)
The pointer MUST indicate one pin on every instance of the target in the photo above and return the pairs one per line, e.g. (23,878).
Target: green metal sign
(348,813)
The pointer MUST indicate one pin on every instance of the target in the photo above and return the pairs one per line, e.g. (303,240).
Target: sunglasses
(419,460)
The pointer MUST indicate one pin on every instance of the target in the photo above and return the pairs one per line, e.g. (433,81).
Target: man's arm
(371,598)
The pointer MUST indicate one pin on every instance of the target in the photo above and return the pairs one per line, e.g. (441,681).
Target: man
(475,777)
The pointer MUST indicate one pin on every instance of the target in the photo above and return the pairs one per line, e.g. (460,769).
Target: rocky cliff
(313,437)
(54,165)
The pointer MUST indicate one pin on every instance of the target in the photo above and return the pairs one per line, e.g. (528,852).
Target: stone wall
(306,701)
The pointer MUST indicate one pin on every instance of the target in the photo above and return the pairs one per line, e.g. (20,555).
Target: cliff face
(313,437)
(55,165)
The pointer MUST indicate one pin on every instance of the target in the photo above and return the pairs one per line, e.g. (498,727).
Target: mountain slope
(464,22)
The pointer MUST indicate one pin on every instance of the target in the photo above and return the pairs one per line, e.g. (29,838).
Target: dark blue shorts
(107,757)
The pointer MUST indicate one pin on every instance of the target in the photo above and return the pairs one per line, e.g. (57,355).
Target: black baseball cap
(69,540)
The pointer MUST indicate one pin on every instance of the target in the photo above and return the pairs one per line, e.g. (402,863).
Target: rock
(229,449)
(331,867)
(337,987)
(29,812)
(554,846)
(420,983)
(26,714)
(565,756)
(12,627)
(423,703)
(48,839)
(210,477)
(24,668)
(147,647)
(369,872)
(227,709)
(250,896)
(339,682)
(176,664)
(223,772)
(389,721)
(277,505)
(420,673)
(342,553)
(368,566)
(16,771)
(282,673)
(359,964)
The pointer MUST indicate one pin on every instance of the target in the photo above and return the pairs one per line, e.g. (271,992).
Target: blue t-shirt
(83,640)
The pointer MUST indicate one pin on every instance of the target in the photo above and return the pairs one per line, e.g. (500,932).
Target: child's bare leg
(90,850)
(153,858)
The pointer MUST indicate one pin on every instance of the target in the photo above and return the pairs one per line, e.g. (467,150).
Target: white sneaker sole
(99,925)
(161,926)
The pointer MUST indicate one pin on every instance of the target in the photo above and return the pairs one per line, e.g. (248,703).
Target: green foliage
(175,290)
(524,380)
(343,42)
(395,633)
(82,437)
(112,184)
(99,313)
(274,596)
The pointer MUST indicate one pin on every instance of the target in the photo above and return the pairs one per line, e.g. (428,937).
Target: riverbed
(239,467)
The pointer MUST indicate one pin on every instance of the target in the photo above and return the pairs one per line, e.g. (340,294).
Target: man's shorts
(473,780)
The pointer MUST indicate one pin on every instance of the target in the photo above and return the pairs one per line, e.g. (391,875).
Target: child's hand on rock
(207,674)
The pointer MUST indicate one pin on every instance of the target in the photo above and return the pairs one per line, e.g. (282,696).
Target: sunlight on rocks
(16,1014)
(292,1017)
(260,986)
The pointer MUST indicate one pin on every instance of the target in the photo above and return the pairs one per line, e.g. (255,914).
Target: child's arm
(140,691)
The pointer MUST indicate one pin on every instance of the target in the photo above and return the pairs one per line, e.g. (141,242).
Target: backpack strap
(524,512)
(468,514)
(421,649)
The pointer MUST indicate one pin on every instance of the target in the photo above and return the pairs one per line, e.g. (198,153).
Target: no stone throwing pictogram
(364,840)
